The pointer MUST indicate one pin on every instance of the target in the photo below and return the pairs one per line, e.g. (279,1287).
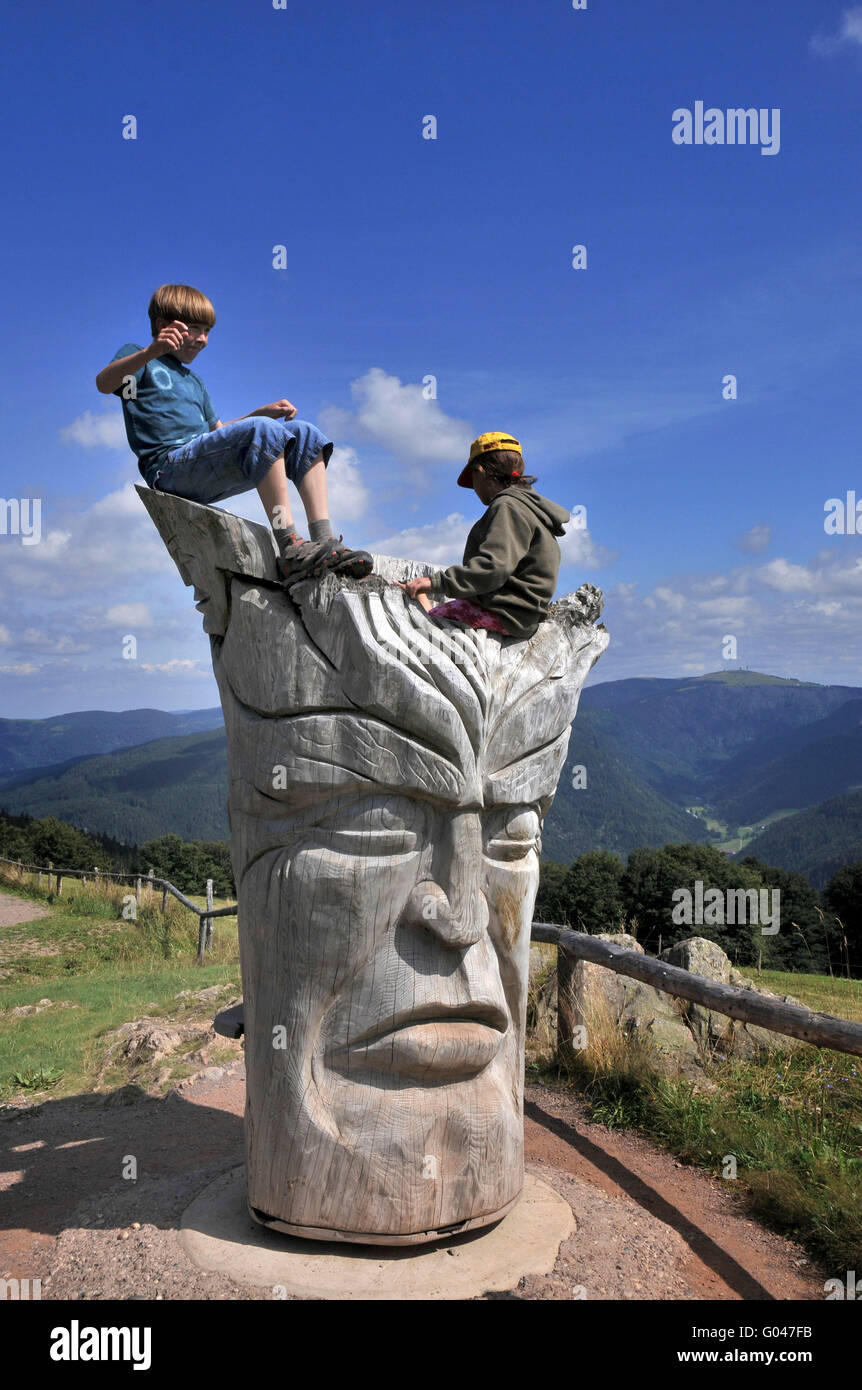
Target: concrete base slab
(218,1234)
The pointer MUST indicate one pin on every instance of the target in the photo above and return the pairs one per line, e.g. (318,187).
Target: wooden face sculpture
(388,780)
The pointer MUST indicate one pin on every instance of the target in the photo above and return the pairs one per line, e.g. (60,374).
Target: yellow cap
(494,439)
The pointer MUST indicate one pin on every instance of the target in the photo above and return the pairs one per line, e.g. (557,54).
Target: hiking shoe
(353,564)
(304,560)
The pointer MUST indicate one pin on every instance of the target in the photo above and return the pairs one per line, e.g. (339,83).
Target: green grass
(793,1124)
(821,992)
(70,1043)
(104,971)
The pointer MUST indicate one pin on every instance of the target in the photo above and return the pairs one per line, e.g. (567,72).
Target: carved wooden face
(388,780)
(432,918)
(386,842)
(397,967)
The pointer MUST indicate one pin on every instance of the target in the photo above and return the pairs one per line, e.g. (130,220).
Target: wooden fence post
(209,943)
(50,867)
(149,885)
(138,890)
(164,900)
(568,1017)
(59,878)
(205,926)
(793,1020)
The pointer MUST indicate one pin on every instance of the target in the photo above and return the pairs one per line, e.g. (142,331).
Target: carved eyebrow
(510,808)
(504,814)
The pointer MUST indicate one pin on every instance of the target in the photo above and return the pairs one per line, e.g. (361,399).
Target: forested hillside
(41,743)
(815,843)
(725,759)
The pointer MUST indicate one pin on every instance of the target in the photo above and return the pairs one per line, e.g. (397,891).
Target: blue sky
(409,257)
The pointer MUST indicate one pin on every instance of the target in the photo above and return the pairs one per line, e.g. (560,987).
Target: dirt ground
(647,1226)
(15,910)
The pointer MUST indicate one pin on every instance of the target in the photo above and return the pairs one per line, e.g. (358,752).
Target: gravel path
(648,1227)
(14,910)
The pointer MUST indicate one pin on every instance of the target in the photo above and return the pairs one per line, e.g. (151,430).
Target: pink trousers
(464,610)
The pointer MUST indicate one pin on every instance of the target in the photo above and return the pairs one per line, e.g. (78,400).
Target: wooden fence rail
(206,914)
(823,1030)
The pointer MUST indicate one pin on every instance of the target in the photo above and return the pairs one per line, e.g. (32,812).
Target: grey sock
(283,536)
(320,530)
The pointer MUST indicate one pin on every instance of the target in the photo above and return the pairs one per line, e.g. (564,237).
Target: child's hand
(415,587)
(171,338)
(278,410)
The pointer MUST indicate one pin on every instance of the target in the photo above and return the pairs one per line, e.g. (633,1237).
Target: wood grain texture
(389,775)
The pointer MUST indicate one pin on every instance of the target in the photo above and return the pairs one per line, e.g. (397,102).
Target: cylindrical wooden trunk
(388,780)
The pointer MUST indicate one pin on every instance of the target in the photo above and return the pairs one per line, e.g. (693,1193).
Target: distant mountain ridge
(707,758)
(690,727)
(32,743)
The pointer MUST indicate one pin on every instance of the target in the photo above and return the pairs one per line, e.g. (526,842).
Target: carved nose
(461,926)
(450,902)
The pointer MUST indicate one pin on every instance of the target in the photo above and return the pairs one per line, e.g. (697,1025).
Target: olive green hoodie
(511,560)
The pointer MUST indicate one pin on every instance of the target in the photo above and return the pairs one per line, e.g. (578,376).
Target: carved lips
(438,1042)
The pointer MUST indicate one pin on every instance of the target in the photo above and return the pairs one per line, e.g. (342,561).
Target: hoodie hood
(542,508)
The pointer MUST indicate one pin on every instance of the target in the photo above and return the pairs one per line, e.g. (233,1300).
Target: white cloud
(789,619)
(672,601)
(439,543)
(110,545)
(785,576)
(348,495)
(398,418)
(19,668)
(442,543)
(755,540)
(177,667)
(577,547)
(41,641)
(4,634)
(710,584)
(129,615)
(96,431)
(848,33)
(830,573)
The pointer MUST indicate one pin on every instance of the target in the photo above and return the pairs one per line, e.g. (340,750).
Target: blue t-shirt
(170,407)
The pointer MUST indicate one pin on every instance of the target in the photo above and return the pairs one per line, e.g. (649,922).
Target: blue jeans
(236,457)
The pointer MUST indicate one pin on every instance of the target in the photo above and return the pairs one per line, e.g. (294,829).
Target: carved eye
(369,830)
(516,835)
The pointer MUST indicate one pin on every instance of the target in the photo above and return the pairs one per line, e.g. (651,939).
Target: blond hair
(182,302)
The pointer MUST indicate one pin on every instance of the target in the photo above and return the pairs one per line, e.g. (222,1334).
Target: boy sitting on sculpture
(184,449)
(511,560)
